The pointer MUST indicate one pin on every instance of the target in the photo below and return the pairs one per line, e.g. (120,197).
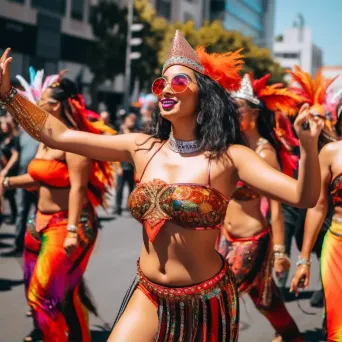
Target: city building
(331,72)
(182,10)
(51,35)
(296,47)
(253,18)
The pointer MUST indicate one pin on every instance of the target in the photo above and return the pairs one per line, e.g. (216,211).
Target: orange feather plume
(224,68)
(312,90)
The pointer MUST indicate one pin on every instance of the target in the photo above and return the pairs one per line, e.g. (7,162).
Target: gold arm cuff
(29,116)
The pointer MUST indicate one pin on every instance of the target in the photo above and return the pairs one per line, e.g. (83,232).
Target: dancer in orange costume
(61,236)
(195,127)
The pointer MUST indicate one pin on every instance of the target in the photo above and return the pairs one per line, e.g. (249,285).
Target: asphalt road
(111,269)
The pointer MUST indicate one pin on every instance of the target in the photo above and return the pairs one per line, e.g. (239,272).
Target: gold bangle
(27,114)
(72,235)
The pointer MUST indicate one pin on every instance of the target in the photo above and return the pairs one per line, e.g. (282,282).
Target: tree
(217,39)
(107,58)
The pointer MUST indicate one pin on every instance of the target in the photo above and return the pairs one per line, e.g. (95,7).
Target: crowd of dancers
(219,172)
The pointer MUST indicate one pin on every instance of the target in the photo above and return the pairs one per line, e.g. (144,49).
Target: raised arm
(314,219)
(45,128)
(304,192)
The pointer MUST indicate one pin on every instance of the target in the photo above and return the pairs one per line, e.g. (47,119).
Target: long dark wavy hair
(266,123)
(220,125)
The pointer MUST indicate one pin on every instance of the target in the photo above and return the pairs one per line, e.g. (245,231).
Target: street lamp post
(129,54)
(128,57)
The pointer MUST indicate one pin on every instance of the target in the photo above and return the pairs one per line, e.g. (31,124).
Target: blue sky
(324,17)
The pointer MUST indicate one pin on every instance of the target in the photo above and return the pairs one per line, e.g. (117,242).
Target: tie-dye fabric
(52,277)
(331,269)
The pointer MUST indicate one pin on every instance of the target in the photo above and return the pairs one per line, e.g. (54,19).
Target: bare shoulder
(331,148)
(269,154)
(239,152)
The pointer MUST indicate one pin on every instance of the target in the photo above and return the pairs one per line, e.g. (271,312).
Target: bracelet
(279,248)
(8,98)
(5,183)
(280,255)
(71,228)
(303,262)
(72,235)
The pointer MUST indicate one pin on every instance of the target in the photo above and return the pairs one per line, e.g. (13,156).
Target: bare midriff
(52,200)
(180,256)
(244,218)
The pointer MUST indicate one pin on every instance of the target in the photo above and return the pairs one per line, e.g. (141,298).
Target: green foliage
(217,39)
(109,23)
(107,59)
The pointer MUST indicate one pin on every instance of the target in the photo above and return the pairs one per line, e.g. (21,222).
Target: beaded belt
(206,289)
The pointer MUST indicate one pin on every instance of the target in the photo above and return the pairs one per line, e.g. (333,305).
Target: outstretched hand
(5,81)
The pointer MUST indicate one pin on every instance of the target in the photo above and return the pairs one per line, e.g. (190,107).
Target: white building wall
(331,72)
(297,48)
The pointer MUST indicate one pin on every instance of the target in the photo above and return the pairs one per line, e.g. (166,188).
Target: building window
(255,5)
(245,14)
(17,1)
(77,9)
(217,8)
(164,8)
(187,17)
(50,5)
(292,55)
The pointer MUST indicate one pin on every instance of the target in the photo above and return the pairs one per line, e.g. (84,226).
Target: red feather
(224,68)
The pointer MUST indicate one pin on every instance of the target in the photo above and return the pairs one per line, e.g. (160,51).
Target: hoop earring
(200,118)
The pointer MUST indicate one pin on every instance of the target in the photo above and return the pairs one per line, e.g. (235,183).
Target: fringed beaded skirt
(208,311)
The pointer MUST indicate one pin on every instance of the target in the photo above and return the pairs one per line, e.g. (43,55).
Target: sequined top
(336,190)
(244,192)
(188,205)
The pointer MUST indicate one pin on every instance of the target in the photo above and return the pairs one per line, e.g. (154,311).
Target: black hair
(62,91)
(220,125)
(266,123)
(339,119)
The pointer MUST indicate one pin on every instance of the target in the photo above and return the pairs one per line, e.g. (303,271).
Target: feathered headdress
(312,90)
(275,96)
(223,68)
(33,90)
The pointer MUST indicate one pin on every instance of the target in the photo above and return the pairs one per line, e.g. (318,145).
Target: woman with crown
(188,164)
(61,236)
(249,244)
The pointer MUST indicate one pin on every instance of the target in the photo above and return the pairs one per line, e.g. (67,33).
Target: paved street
(111,270)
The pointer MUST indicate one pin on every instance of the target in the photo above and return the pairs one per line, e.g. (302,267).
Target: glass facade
(246,16)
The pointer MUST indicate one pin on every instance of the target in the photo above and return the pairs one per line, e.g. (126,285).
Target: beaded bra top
(188,205)
(244,192)
(336,190)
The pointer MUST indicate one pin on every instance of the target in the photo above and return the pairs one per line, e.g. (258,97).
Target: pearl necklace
(184,147)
